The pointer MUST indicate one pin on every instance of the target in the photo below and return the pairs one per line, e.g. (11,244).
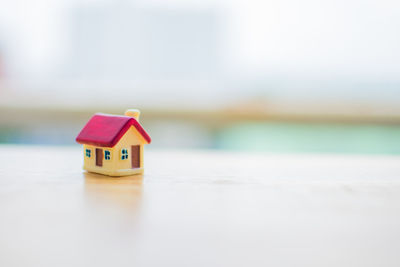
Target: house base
(120,172)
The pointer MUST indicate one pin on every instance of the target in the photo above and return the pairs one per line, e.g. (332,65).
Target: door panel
(99,157)
(135,156)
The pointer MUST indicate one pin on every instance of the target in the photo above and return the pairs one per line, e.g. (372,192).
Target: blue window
(124,153)
(88,153)
(107,155)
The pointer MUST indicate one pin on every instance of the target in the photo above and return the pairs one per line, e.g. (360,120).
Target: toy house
(113,145)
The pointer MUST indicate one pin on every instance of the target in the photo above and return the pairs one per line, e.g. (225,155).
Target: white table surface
(199,208)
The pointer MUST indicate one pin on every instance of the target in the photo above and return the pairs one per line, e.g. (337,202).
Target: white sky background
(309,39)
(345,37)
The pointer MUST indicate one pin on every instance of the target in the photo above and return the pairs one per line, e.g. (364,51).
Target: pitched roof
(106,130)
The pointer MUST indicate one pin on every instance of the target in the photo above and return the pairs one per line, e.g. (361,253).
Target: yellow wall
(131,138)
(116,166)
(91,162)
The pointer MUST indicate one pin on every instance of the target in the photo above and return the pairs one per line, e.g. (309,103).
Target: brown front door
(135,156)
(99,157)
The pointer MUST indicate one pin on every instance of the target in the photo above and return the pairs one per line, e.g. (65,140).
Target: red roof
(106,130)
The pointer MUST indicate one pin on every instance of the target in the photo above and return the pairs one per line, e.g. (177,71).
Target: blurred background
(277,76)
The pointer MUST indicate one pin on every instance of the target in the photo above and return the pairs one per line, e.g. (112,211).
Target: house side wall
(91,162)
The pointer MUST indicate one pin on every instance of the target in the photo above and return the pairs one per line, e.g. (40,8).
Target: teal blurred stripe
(311,137)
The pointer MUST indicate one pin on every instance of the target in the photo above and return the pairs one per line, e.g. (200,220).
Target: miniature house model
(113,145)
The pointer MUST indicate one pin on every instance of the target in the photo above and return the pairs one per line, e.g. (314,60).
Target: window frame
(124,156)
(107,155)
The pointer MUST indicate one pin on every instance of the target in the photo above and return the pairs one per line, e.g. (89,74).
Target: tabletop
(199,208)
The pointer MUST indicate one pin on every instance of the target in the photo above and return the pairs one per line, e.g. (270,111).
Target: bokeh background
(276,76)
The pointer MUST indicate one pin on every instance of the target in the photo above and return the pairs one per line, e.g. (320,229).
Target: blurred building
(131,43)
